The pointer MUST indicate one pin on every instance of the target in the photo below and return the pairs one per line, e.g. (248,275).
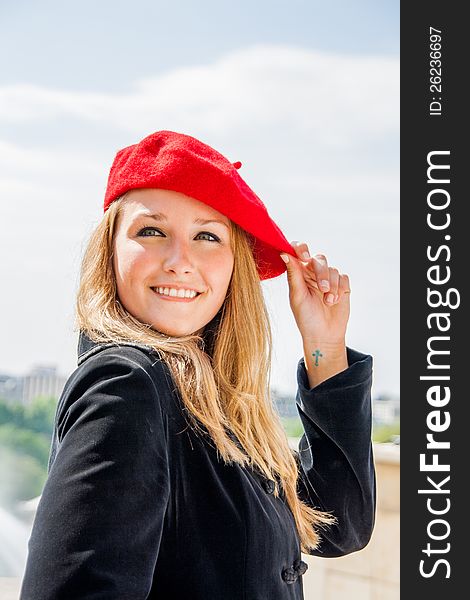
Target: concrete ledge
(387,453)
(374,572)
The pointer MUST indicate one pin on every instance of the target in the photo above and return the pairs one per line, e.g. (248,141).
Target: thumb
(295,277)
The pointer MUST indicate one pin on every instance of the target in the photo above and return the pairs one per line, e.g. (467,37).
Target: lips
(174,298)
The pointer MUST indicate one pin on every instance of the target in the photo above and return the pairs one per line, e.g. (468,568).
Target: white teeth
(173,292)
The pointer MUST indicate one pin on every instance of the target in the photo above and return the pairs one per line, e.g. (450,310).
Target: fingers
(333,295)
(319,264)
(327,279)
(344,287)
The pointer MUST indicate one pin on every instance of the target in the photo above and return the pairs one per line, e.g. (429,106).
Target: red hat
(181,163)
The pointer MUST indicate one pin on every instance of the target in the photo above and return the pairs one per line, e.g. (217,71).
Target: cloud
(37,161)
(298,120)
(328,96)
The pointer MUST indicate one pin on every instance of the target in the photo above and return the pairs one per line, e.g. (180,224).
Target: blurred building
(40,381)
(386,409)
(285,405)
(11,388)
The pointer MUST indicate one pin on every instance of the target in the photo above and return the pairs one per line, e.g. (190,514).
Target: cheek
(130,263)
(221,272)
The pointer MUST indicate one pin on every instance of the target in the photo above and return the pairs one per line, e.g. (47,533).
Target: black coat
(136,506)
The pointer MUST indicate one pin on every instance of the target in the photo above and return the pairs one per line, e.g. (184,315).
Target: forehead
(169,203)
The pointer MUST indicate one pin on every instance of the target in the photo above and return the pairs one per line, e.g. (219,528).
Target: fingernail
(285,258)
(330,298)
(336,297)
(305,255)
(325,285)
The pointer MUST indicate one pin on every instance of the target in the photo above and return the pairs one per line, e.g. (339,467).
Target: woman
(170,475)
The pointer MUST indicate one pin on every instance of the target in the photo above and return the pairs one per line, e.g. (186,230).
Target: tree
(21,477)
(25,440)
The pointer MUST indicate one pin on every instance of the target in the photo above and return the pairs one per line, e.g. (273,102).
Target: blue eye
(154,232)
(214,237)
(149,232)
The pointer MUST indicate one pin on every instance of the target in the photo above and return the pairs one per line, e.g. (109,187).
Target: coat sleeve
(98,526)
(336,468)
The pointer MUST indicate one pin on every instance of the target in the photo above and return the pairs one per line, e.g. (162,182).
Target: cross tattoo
(317,355)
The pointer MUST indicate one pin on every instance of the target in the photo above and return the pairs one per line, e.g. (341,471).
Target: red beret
(181,163)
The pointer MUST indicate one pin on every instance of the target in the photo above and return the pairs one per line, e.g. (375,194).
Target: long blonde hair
(226,387)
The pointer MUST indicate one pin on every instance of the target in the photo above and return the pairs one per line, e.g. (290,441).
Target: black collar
(87,347)
(84,344)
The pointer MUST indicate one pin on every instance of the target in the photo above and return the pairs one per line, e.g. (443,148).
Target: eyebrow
(162,217)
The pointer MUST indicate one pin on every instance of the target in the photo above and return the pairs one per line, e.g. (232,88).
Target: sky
(304,94)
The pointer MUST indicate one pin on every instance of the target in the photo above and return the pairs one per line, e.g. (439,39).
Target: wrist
(324,360)
(334,349)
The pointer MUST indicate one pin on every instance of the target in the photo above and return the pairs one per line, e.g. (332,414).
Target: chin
(177,332)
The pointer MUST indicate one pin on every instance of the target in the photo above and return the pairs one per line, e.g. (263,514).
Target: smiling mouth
(173,297)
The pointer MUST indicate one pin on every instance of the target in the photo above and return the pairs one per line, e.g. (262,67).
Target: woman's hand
(319,299)
(318,295)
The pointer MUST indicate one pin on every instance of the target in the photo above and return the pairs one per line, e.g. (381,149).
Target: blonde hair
(225,388)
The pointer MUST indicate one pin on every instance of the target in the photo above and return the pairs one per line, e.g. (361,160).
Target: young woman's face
(167,244)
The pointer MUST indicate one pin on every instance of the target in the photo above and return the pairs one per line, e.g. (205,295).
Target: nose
(178,258)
